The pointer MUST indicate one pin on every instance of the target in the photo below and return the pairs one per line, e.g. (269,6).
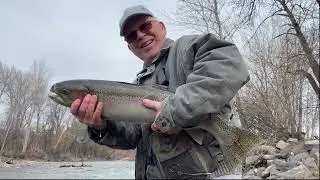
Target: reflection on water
(51,170)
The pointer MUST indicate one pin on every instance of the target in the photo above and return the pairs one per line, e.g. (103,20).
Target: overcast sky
(76,38)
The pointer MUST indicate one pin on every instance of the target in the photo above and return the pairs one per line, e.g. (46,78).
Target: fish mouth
(57,98)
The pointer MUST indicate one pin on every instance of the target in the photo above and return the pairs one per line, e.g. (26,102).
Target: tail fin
(236,153)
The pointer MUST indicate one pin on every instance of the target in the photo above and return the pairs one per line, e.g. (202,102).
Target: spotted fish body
(123,102)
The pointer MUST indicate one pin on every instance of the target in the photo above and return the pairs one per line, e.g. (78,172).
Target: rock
(10,161)
(292,140)
(269,170)
(269,162)
(250,173)
(253,160)
(281,165)
(309,162)
(284,154)
(281,144)
(5,165)
(296,160)
(314,153)
(288,159)
(258,171)
(290,151)
(299,148)
(268,157)
(299,172)
(265,174)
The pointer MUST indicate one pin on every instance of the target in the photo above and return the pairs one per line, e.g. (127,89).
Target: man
(204,72)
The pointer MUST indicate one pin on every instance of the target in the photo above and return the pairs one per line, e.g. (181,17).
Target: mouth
(55,97)
(147,43)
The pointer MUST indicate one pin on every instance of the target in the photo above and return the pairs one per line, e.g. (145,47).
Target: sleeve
(117,135)
(218,72)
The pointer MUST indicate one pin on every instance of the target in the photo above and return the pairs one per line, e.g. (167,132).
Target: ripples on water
(51,170)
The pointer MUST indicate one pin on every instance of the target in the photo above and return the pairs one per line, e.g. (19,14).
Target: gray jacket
(205,73)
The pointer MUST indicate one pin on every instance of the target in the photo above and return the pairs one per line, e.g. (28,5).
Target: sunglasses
(144,28)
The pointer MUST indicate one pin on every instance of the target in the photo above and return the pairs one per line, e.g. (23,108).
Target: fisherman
(204,72)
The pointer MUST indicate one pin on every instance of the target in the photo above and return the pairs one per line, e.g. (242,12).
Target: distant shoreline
(23,162)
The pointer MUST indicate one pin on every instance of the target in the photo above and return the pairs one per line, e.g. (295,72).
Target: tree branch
(284,34)
(311,80)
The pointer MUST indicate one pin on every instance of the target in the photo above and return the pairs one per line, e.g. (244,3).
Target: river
(52,170)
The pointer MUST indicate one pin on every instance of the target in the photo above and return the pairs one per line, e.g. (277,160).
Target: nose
(140,34)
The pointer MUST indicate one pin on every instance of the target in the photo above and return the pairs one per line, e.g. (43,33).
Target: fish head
(66,92)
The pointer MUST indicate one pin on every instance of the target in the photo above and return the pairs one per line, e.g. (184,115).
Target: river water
(92,170)
(52,170)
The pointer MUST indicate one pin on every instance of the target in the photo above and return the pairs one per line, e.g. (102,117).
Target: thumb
(152,104)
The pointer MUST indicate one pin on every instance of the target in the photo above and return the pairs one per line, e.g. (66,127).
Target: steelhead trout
(123,102)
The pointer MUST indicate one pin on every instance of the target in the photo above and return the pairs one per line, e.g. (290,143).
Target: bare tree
(17,101)
(209,16)
(4,77)
(280,35)
(38,83)
(298,18)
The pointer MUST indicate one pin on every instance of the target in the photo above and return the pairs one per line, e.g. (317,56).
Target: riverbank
(287,159)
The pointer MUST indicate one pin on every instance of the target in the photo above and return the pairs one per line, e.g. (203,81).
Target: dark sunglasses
(144,28)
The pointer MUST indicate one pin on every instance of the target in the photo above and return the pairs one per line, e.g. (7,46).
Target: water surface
(51,170)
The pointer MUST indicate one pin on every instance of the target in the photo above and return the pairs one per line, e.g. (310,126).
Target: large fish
(123,102)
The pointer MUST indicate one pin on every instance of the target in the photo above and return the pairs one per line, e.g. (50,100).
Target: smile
(146,43)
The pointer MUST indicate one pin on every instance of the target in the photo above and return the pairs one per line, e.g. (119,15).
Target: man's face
(145,37)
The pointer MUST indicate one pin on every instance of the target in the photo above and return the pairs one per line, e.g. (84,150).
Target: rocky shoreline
(290,159)
(286,159)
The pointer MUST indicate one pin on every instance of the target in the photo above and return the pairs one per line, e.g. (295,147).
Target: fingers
(90,108)
(75,107)
(97,114)
(83,107)
(87,112)
(152,104)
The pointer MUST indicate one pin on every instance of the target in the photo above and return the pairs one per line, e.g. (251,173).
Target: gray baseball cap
(131,12)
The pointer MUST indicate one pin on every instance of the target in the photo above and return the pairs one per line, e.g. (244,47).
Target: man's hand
(157,106)
(88,111)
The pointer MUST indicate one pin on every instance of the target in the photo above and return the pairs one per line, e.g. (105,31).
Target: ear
(129,47)
(163,27)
